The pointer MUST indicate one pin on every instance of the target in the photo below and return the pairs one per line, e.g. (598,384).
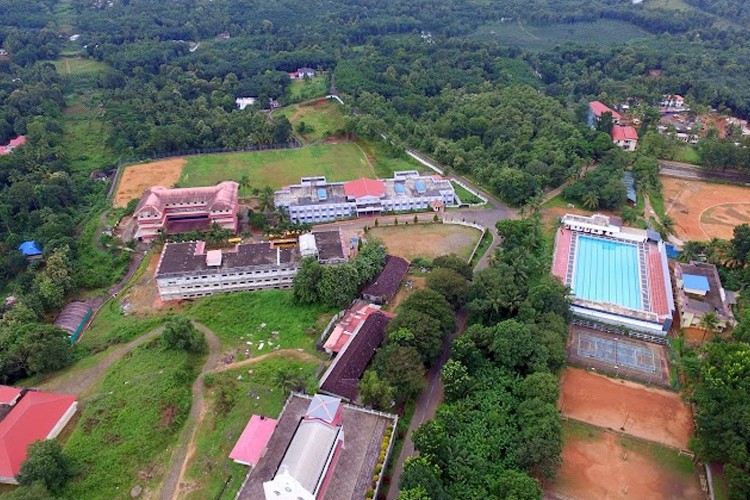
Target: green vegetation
(338,162)
(126,430)
(484,245)
(86,137)
(316,121)
(309,88)
(233,396)
(78,65)
(465,195)
(247,319)
(687,154)
(604,32)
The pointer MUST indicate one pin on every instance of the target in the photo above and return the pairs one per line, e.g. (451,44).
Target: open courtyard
(426,240)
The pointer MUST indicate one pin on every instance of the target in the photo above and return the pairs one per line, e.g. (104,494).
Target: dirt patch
(411,284)
(702,210)
(143,297)
(136,178)
(599,466)
(426,240)
(168,415)
(648,413)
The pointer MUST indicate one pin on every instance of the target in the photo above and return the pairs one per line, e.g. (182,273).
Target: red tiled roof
(387,282)
(348,326)
(364,187)
(8,394)
(32,419)
(624,133)
(599,108)
(221,196)
(342,378)
(253,440)
(658,288)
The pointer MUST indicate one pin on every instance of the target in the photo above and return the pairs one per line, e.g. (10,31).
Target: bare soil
(143,297)
(599,466)
(136,178)
(703,210)
(644,412)
(425,240)
(410,285)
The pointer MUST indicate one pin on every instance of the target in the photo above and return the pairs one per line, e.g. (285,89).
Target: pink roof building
(9,395)
(625,136)
(349,326)
(364,187)
(36,416)
(253,440)
(13,144)
(184,209)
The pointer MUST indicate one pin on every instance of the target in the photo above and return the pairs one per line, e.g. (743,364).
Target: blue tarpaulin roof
(30,248)
(672,252)
(696,282)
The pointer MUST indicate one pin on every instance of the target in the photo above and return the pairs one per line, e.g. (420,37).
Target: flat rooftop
(712,300)
(330,246)
(190,257)
(302,195)
(364,431)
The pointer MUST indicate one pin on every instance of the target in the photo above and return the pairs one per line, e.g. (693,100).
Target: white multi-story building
(316,200)
(188,270)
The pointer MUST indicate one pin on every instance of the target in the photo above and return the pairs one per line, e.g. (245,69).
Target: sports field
(426,240)
(277,168)
(644,412)
(600,464)
(620,356)
(136,178)
(703,210)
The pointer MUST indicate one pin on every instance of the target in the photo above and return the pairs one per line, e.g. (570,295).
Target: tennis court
(617,353)
(620,356)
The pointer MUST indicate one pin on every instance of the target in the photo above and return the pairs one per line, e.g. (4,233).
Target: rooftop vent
(213,258)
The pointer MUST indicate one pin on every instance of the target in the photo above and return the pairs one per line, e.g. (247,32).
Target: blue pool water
(607,271)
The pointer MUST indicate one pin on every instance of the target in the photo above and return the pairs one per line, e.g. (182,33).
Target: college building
(189,270)
(164,210)
(315,200)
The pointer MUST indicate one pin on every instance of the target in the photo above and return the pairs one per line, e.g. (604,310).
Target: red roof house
(598,109)
(625,136)
(9,395)
(349,326)
(364,187)
(253,440)
(36,416)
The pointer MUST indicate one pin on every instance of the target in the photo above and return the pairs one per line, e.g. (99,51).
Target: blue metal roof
(399,188)
(30,248)
(420,187)
(696,282)
(322,194)
(672,252)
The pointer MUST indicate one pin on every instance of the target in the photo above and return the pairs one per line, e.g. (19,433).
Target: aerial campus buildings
(190,270)
(316,200)
(618,275)
(164,210)
(319,448)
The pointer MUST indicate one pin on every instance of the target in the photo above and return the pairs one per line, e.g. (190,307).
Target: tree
(432,304)
(456,380)
(741,243)
(515,485)
(453,261)
(179,333)
(540,437)
(307,280)
(266,199)
(426,335)
(542,386)
(338,284)
(401,367)
(710,324)
(450,284)
(46,463)
(418,493)
(420,472)
(374,391)
(33,348)
(591,200)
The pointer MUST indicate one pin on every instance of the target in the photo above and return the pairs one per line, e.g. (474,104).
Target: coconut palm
(667,224)
(244,182)
(710,323)
(265,199)
(591,200)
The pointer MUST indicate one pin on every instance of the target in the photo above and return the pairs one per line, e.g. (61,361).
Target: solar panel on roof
(322,194)
(399,188)
(419,185)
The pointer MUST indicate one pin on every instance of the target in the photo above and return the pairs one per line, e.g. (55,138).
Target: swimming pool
(607,271)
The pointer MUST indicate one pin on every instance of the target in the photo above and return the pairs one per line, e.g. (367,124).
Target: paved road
(695,172)
(426,407)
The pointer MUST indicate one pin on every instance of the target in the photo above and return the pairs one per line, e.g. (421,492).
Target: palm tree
(244,182)
(591,200)
(693,250)
(265,199)
(710,323)
(667,224)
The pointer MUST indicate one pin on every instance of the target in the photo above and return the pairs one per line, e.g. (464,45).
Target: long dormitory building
(316,200)
(188,270)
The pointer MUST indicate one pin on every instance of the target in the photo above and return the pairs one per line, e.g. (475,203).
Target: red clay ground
(136,178)
(644,412)
(604,465)
(702,210)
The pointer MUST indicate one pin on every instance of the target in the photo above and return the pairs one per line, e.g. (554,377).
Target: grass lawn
(687,153)
(602,32)
(248,390)
(301,90)
(484,245)
(425,240)
(321,119)
(277,168)
(465,195)
(244,320)
(387,161)
(78,65)
(124,435)
(86,134)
